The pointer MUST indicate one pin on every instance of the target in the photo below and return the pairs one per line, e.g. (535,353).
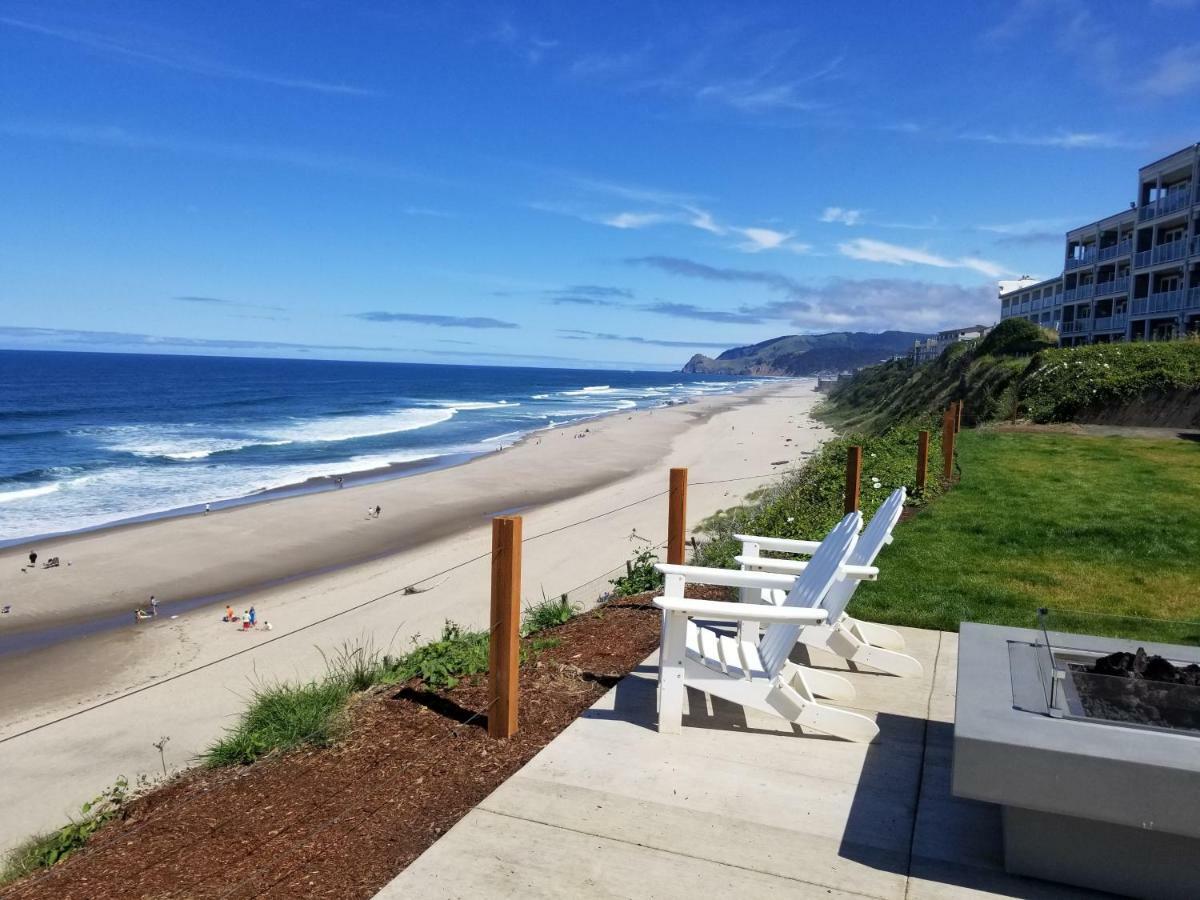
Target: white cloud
(181,61)
(898,255)
(759,239)
(1063,140)
(635,219)
(1176,71)
(842,215)
(751,97)
(703,219)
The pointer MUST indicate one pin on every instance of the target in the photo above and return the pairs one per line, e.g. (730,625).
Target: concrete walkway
(735,806)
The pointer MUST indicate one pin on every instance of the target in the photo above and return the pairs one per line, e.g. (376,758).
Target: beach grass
(282,716)
(1080,524)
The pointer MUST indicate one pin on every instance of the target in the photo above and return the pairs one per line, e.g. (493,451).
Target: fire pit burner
(1139,689)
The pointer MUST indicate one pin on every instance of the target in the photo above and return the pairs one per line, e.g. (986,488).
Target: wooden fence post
(948,444)
(853,478)
(677,517)
(504,648)
(922,460)
(958,409)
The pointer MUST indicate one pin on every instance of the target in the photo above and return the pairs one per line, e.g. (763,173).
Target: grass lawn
(1090,524)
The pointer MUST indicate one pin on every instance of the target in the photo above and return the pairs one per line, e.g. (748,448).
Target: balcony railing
(1074,262)
(1166,204)
(1193,299)
(1115,286)
(1109,323)
(1168,252)
(1165,301)
(1114,250)
(1139,307)
(1071,327)
(1085,291)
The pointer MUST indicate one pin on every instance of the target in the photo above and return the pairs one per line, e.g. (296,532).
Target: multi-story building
(1134,275)
(932,347)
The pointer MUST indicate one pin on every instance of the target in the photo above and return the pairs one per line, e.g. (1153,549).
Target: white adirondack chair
(863,643)
(757,675)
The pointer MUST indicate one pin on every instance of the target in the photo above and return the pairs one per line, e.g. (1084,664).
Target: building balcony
(1115,286)
(1110,323)
(1163,205)
(1114,251)
(1075,262)
(1192,301)
(1164,302)
(1172,251)
(1085,291)
(1161,254)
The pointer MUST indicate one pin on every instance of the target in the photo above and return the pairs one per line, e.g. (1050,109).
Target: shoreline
(18,637)
(79,712)
(352,478)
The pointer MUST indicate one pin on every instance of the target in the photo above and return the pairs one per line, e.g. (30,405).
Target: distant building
(1132,276)
(932,347)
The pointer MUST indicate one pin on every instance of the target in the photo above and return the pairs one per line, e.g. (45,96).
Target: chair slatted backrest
(873,539)
(810,590)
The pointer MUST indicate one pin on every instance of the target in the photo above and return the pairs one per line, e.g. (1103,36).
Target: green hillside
(806,354)
(1133,384)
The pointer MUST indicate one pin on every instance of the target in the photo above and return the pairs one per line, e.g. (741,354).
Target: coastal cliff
(806,354)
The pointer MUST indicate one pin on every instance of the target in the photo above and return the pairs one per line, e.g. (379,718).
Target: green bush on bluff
(1014,337)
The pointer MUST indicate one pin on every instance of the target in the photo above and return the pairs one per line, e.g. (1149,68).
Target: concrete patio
(738,805)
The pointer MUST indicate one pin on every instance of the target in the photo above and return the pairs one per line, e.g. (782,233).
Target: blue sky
(558,183)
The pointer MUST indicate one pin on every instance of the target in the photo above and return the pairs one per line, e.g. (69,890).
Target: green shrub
(1066,383)
(45,850)
(549,613)
(806,503)
(641,576)
(280,717)
(1014,337)
(443,663)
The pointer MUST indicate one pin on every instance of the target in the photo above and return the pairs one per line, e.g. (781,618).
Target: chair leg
(874,634)
(672,650)
(822,683)
(794,701)
(846,644)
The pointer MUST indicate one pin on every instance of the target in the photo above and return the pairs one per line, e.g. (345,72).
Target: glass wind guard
(1137,672)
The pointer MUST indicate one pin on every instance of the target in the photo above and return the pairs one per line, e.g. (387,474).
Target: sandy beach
(314,566)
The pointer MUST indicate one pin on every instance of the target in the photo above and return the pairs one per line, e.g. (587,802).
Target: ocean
(88,439)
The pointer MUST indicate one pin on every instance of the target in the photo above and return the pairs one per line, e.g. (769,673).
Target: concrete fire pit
(1094,803)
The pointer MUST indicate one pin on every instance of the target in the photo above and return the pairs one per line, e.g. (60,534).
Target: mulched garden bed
(344,820)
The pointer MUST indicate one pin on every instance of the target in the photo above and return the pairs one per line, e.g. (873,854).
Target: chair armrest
(769,564)
(796,567)
(728,577)
(742,612)
(780,545)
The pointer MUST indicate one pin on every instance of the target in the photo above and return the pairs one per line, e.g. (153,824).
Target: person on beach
(378,510)
(33,557)
(245,620)
(207,507)
(153,605)
(251,615)
(229,617)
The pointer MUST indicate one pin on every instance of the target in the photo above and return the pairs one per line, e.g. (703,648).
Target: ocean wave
(593,389)
(28,493)
(349,428)
(463,406)
(540,397)
(507,437)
